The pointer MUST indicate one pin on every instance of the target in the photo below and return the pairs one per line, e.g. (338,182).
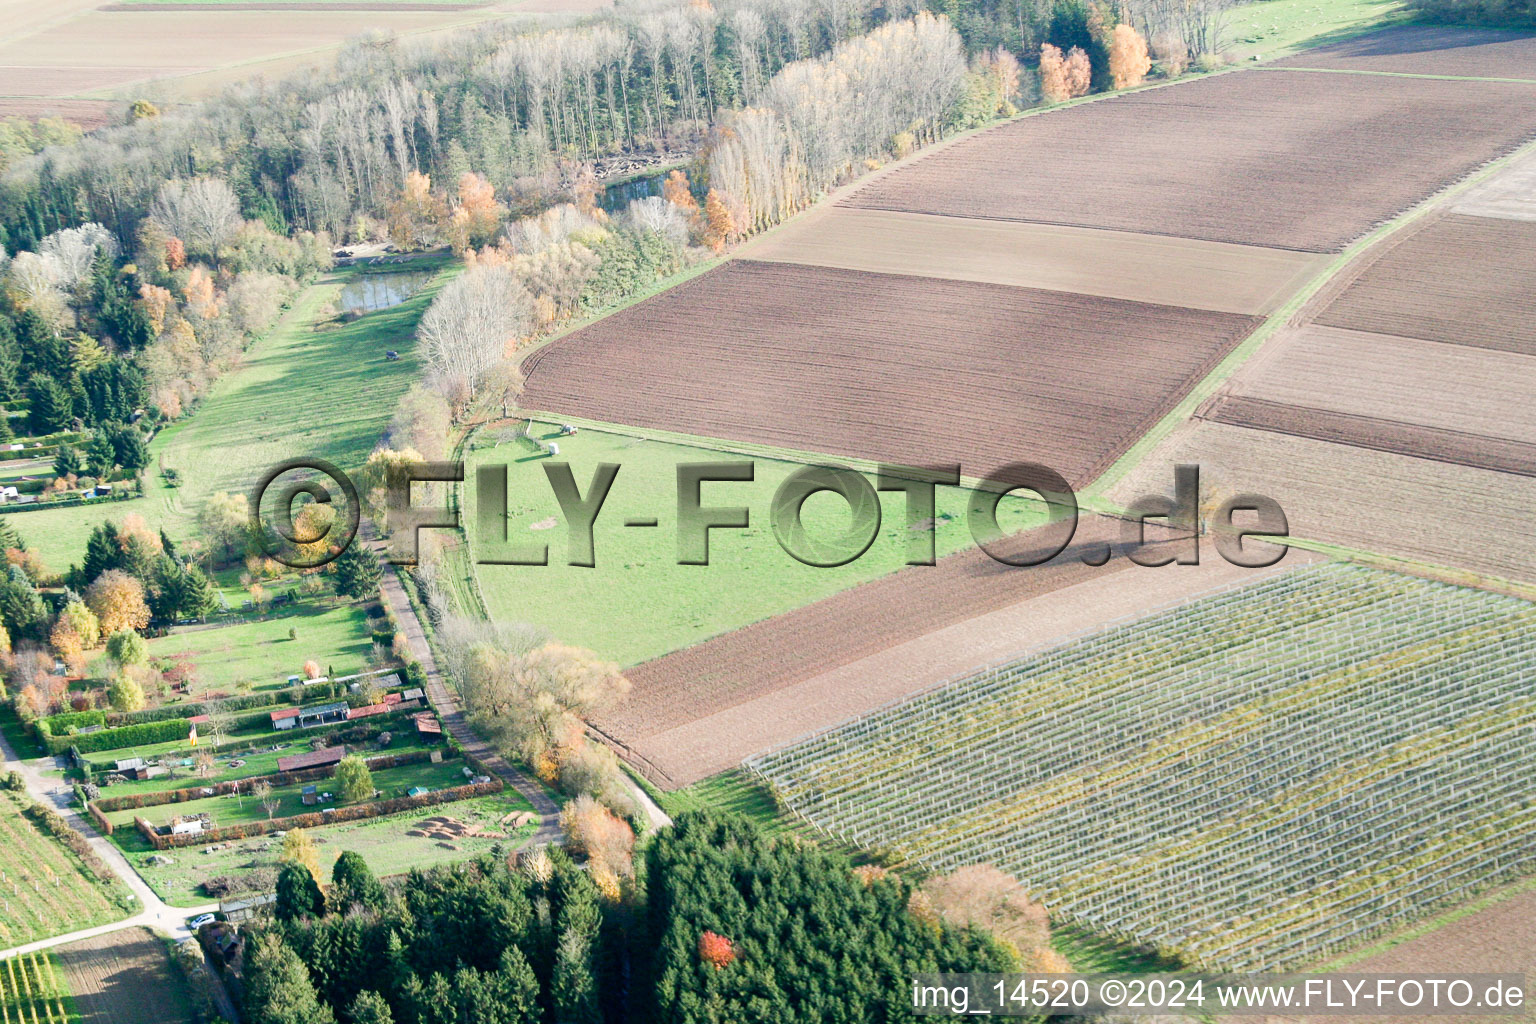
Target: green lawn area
(300,392)
(232,810)
(638,603)
(382,842)
(732,792)
(258,763)
(1270,28)
(260,653)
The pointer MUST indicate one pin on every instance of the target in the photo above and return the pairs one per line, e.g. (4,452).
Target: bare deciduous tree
(469,329)
(203,213)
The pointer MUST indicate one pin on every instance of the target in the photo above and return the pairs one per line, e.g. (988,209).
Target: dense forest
(722,925)
(522,108)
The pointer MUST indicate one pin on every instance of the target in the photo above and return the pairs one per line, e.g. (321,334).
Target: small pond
(368,292)
(617,197)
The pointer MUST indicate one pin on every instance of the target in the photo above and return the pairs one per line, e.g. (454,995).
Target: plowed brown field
(1429,50)
(886,367)
(1293,159)
(1461,280)
(124,977)
(1449,387)
(1379,434)
(1419,509)
(703,709)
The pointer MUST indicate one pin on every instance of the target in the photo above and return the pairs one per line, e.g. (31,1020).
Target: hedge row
(40,506)
(111,739)
(60,723)
(102,824)
(331,816)
(176,796)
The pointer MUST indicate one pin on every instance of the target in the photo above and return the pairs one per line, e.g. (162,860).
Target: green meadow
(637,602)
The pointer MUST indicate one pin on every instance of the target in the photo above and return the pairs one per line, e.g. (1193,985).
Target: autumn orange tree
(1053,74)
(1079,72)
(1128,60)
(414,215)
(719,225)
(476,216)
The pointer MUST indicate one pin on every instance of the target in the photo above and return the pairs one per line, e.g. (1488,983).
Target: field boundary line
(1041,647)
(1282,317)
(1396,74)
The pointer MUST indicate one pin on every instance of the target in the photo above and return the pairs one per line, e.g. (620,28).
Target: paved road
(156,914)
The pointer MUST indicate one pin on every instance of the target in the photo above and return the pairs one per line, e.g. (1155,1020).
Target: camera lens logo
(304,534)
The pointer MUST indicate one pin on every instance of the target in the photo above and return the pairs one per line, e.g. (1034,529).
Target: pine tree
(370,1008)
(103,551)
(352,881)
(100,453)
(200,597)
(6,433)
(298,895)
(278,989)
(9,538)
(51,410)
(67,461)
(574,989)
(358,571)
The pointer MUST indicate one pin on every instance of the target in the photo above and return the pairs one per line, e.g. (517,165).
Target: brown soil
(124,977)
(443,827)
(88,114)
(1382,435)
(1460,280)
(885,367)
(1499,939)
(1429,50)
(1432,512)
(1116,264)
(1292,159)
(703,709)
(1450,387)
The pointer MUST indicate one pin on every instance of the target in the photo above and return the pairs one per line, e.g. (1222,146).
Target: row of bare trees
(512,102)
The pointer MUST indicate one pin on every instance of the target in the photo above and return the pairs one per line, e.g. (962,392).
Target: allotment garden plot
(1291,159)
(1251,781)
(886,367)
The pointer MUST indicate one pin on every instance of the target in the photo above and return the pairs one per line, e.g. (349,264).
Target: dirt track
(1460,280)
(1292,159)
(884,367)
(1429,50)
(124,978)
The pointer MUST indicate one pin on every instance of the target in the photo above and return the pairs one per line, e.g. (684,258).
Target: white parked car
(197,922)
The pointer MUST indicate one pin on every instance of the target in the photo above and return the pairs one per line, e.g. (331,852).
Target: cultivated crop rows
(31,991)
(1247,781)
(42,889)
(887,367)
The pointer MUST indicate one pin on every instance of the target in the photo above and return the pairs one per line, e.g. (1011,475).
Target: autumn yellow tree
(156,301)
(415,213)
(476,216)
(601,836)
(676,191)
(83,621)
(719,225)
(67,644)
(1053,74)
(1128,60)
(117,600)
(299,849)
